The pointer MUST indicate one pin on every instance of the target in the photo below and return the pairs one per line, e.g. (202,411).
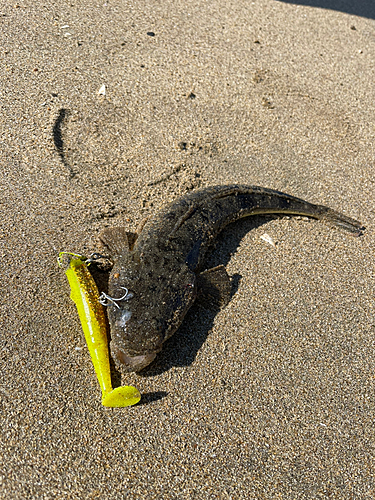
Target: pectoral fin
(214,287)
(117,240)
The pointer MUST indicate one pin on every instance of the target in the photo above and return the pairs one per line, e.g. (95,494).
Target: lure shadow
(150,397)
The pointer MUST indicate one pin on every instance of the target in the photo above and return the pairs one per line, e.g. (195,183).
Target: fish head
(147,303)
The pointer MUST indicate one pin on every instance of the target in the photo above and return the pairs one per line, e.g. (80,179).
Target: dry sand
(272,397)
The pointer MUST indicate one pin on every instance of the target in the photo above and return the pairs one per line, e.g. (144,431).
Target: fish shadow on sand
(182,348)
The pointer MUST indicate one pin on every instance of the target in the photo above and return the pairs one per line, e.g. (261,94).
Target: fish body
(161,268)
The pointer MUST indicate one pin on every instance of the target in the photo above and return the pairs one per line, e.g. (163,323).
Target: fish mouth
(134,363)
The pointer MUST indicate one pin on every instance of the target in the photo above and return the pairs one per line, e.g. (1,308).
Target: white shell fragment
(267,238)
(102,90)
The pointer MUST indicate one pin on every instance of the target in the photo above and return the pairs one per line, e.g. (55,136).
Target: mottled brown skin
(161,265)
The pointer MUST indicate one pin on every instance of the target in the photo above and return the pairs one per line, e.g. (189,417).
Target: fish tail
(335,219)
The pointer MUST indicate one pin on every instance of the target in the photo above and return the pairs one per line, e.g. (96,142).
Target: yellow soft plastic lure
(85,295)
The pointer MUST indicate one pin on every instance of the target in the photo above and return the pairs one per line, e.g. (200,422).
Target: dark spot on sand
(58,138)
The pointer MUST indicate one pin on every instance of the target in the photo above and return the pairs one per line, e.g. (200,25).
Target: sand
(273,396)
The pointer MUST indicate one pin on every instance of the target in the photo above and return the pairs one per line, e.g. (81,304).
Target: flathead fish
(159,271)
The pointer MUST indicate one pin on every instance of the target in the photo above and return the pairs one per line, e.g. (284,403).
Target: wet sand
(272,397)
